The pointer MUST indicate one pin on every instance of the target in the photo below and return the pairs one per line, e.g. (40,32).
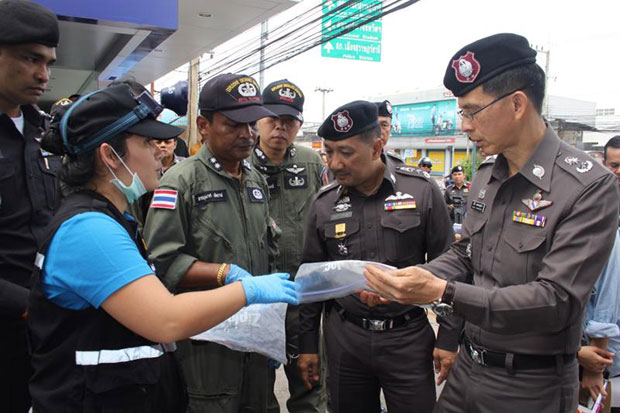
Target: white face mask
(132,192)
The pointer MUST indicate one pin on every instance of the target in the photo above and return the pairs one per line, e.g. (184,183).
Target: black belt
(382,324)
(486,357)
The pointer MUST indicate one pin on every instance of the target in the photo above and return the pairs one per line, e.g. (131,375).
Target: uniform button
(520,244)
(369,226)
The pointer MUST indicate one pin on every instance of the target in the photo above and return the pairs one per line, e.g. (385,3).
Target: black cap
(457,168)
(93,112)
(484,59)
(349,120)
(235,96)
(426,161)
(24,22)
(284,98)
(384,108)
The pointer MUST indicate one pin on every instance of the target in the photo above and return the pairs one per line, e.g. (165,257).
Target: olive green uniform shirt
(216,218)
(291,187)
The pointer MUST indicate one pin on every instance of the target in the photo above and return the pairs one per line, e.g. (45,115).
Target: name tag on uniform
(207,197)
(256,195)
(527,218)
(478,206)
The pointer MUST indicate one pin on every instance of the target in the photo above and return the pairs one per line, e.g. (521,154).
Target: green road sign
(363,43)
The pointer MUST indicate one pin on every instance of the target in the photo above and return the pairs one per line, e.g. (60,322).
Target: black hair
(371,135)
(612,143)
(528,78)
(77,170)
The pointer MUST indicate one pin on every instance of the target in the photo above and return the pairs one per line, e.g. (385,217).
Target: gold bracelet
(220,274)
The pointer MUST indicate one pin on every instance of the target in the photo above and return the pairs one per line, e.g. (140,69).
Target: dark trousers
(15,369)
(225,381)
(301,400)
(472,388)
(362,362)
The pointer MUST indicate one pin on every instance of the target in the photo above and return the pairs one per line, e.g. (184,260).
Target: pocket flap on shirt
(400,222)
(524,242)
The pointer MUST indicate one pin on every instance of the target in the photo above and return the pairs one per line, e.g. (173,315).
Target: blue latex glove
(271,288)
(273,364)
(235,273)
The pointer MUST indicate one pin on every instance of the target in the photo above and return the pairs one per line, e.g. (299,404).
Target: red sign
(439,140)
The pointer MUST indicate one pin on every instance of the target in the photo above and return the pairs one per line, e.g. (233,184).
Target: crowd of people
(114,250)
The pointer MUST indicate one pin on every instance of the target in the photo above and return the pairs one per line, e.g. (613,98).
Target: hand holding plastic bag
(271,288)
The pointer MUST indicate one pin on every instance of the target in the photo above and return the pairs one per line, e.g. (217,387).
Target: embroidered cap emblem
(342,121)
(466,68)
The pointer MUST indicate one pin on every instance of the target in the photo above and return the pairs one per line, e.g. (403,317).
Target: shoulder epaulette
(412,171)
(579,164)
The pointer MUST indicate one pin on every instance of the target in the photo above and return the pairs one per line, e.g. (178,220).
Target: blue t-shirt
(89,258)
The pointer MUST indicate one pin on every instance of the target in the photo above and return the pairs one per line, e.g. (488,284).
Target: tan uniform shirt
(530,276)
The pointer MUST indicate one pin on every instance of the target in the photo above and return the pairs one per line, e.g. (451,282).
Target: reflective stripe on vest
(123,355)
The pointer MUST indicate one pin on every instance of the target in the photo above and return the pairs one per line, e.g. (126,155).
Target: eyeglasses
(471,115)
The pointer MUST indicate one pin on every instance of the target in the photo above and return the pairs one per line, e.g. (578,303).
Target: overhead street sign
(363,43)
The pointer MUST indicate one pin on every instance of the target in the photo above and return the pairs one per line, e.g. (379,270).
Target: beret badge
(466,68)
(342,121)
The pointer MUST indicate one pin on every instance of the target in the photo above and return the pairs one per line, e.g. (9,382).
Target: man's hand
(411,285)
(372,299)
(593,382)
(594,359)
(309,367)
(443,360)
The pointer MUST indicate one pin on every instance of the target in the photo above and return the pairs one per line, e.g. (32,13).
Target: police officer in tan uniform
(378,210)
(541,222)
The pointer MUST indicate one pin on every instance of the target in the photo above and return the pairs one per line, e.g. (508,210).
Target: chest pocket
(524,255)
(342,239)
(476,239)
(402,237)
(7,186)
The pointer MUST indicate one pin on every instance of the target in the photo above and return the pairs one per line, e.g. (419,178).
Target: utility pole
(264,32)
(192,104)
(547,77)
(324,91)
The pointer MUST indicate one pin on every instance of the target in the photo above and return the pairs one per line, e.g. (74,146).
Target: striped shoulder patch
(164,198)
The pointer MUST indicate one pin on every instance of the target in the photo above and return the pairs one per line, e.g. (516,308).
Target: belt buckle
(477,355)
(376,325)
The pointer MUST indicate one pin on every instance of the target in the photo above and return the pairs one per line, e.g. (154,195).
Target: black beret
(484,59)
(384,108)
(457,168)
(349,120)
(24,22)
(284,98)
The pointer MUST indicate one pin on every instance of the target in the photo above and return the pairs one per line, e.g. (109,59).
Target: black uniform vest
(84,360)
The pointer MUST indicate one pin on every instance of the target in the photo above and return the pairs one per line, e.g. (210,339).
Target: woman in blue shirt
(99,318)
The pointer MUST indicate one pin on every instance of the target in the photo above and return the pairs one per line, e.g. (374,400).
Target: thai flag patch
(164,198)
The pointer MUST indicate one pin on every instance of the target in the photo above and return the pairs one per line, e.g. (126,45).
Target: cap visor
(285,110)
(248,114)
(155,129)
